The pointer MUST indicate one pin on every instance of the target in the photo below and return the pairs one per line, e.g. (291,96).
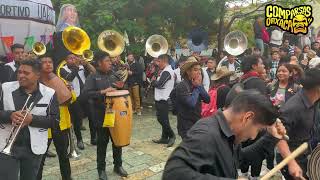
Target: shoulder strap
(249,78)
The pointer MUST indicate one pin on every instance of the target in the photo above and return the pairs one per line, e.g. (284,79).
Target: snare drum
(120,103)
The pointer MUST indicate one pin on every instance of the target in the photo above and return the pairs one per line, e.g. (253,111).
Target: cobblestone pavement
(142,158)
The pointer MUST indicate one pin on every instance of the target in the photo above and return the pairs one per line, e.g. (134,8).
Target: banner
(29,41)
(7,41)
(43,39)
(51,41)
(28,10)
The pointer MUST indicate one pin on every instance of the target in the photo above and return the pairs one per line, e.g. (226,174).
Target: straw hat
(191,61)
(221,72)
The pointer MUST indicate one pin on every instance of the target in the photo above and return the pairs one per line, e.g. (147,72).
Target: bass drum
(120,103)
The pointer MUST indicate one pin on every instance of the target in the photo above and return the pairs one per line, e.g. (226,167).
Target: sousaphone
(113,43)
(76,40)
(156,45)
(235,43)
(198,40)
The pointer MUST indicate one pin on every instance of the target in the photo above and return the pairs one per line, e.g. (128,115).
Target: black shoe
(102,175)
(93,141)
(80,145)
(83,128)
(161,141)
(120,171)
(51,154)
(171,141)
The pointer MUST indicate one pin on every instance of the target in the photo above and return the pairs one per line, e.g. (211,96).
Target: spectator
(257,27)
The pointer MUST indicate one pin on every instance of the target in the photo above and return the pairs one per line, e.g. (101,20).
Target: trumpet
(16,129)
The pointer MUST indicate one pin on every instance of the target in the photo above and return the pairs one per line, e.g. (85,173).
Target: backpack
(211,108)
(265,35)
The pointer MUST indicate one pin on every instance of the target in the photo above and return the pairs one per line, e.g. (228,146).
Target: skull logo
(300,24)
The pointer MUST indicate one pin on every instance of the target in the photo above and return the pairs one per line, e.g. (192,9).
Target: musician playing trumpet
(31,141)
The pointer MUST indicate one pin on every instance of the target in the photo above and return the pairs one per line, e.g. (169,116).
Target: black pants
(23,161)
(61,142)
(92,123)
(255,166)
(102,143)
(162,109)
(76,118)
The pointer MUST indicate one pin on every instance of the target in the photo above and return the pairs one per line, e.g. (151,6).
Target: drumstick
(284,162)
(285,137)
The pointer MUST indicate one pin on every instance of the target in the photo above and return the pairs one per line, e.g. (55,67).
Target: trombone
(16,129)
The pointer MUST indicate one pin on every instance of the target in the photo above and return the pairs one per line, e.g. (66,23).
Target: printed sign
(295,20)
(28,10)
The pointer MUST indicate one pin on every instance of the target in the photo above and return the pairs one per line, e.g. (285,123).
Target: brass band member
(96,86)
(163,86)
(75,72)
(9,72)
(31,142)
(60,133)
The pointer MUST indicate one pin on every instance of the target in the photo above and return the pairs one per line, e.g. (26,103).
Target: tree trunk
(221,32)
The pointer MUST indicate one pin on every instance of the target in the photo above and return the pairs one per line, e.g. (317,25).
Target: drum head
(118,93)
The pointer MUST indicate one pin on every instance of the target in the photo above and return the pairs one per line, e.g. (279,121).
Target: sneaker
(139,114)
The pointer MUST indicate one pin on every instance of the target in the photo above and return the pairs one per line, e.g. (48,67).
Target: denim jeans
(260,45)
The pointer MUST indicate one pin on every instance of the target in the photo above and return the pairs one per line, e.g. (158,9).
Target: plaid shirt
(273,70)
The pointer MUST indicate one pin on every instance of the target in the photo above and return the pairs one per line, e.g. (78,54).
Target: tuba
(235,43)
(113,43)
(198,40)
(156,45)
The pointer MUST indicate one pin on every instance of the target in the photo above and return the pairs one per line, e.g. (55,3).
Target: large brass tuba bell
(111,42)
(156,45)
(39,48)
(198,40)
(235,43)
(76,40)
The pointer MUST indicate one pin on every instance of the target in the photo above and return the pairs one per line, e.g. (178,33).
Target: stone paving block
(158,168)
(155,177)
(140,175)
(137,168)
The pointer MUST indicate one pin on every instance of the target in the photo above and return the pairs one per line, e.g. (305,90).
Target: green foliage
(173,19)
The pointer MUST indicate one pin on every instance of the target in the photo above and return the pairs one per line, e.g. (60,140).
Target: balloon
(25,22)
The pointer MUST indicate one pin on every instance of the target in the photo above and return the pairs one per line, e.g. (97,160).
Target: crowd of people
(226,106)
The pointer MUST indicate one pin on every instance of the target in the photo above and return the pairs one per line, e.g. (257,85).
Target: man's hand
(16,118)
(119,84)
(277,130)
(295,170)
(130,73)
(105,91)
(197,81)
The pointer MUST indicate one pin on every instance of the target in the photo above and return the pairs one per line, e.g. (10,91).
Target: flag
(29,41)
(51,41)
(43,39)
(7,41)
